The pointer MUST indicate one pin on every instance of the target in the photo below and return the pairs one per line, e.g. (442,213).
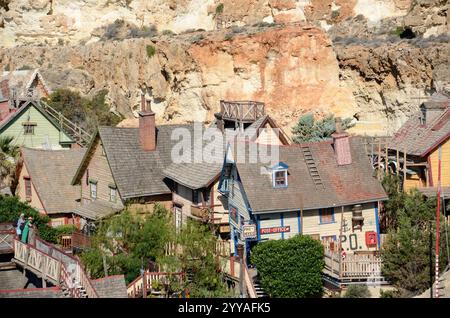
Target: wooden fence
(7,234)
(352,266)
(54,265)
(246,111)
(144,284)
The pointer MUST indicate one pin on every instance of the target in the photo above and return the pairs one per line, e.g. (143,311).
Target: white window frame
(285,178)
(93,190)
(112,198)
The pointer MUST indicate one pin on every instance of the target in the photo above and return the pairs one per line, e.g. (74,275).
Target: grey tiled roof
(111,287)
(343,185)
(51,172)
(137,172)
(419,139)
(198,175)
(98,209)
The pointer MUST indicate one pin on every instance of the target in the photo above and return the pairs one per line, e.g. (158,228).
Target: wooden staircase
(55,266)
(312,167)
(81,137)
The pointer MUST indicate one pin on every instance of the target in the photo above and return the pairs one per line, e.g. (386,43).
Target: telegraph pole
(438,219)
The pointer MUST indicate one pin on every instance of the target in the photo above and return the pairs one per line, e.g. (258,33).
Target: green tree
(408,251)
(11,208)
(85,112)
(199,260)
(9,154)
(290,268)
(308,129)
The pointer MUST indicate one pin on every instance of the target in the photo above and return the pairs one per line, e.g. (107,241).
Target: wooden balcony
(352,267)
(242,111)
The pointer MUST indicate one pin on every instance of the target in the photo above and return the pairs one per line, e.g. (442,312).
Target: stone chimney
(219,122)
(341,144)
(147,126)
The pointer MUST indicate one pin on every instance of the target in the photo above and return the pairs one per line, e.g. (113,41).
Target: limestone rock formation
(370,59)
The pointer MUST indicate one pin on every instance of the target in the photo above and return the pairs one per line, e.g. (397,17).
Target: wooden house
(44,178)
(31,126)
(419,140)
(195,191)
(18,86)
(123,166)
(322,189)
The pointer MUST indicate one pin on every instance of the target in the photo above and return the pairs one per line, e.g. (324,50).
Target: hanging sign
(277,229)
(249,231)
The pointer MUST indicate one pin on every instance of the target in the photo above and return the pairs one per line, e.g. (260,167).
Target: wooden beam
(404,169)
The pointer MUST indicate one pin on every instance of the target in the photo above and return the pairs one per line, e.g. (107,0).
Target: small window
(28,128)
(112,194)
(326,215)
(225,185)
(93,186)
(233,214)
(280,179)
(195,196)
(28,192)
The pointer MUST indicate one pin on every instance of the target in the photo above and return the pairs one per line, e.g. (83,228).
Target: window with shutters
(326,215)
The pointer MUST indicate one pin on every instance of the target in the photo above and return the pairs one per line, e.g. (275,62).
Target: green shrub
(11,208)
(167,32)
(197,38)
(150,50)
(357,291)
(335,14)
(219,8)
(88,113)
(229,36)
(290,268)
(389,294)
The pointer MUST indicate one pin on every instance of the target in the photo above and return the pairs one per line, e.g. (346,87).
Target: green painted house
(32,127)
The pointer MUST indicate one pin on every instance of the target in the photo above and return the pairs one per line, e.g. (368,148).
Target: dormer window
(280,179)
(280,175)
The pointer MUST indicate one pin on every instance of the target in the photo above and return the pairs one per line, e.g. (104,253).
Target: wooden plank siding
(445,164)
(268,136)
(21,192)
(97,169)
(43,130)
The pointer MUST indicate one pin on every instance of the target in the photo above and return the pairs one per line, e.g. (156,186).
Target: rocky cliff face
(345,57)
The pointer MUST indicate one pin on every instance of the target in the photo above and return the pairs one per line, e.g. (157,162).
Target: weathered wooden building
(31,126)
(419,140)
(18,86)
(195,184)
(323,189)
(44,178)
(124,166)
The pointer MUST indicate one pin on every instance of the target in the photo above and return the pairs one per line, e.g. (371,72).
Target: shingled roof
(111,287)
(21,80)
(199,175)
(342,185)
(137,172)
(51,172)
(419,139)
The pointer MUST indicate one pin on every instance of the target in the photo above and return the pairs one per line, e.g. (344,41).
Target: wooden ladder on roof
(312,167)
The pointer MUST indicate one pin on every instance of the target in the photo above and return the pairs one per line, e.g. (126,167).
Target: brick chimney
(341,144)
(147,126)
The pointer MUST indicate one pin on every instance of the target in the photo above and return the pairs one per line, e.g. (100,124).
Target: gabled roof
(342,185)
(21,80)
(7,121)
(199,175)
(419,139)
(136,172)
(51,172)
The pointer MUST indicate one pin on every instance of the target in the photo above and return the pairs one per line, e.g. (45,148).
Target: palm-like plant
(8,158)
